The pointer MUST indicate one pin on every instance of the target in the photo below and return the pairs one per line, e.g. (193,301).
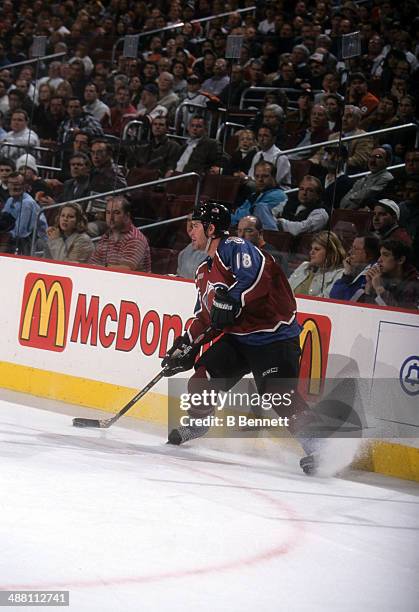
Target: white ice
(127,523)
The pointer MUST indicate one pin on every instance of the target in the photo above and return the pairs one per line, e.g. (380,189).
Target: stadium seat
(361,219)
(280,240)
(220,188)
(6,243)
(299,169)
(163,261)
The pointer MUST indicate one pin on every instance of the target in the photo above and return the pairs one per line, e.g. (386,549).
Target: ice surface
(127,523)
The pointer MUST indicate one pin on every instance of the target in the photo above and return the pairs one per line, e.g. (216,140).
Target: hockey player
(243,292)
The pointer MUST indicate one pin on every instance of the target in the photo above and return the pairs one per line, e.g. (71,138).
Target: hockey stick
(105,423)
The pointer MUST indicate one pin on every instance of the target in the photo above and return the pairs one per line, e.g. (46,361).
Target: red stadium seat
(163,261)
(220,188)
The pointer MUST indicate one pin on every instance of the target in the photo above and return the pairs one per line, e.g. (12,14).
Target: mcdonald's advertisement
(114,328)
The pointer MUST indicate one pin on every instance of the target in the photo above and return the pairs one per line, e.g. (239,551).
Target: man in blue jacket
(266,197)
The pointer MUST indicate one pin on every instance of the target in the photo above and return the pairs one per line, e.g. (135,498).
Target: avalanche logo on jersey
(208,295)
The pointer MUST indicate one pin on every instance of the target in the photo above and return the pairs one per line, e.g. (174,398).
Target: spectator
(36,187)
(7,166)
(406,138)
(167,97)
(189,258)
(40,114)
(371,186)
(193,96)
(265,197)
(386,222)
(53,78)
(105,175)
(149,106)
(200,152)
(384,116)
(53,117)
(272,115)
(78,120)
(204,66)
(409,208)
(393,281)
(4,98)
(256,76)
(285,77)
(93,105)
(67,238)
(412,163)
(307,212)
(334,162)
(123,246)
(270,152)
(231,95)
(122,112)
(78,185)
(251,228)
(180,74)
(24,210)
(299,120)
(161,152)
(317,64)
(334,108)
(363,253)
(242,157)
(318,131)
(317,276)
(27,90)
(360,96)
(215,84)
(20,136)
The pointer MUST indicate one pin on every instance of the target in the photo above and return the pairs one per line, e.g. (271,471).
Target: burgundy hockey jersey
(257,282)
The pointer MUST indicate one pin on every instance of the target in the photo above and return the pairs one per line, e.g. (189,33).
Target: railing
(355,176)
(113,193)
(176,26)
(265,89)
(34,60)
(222,129)
(134,122)
(179,111)
(4,143)
(164,222)
(327,143)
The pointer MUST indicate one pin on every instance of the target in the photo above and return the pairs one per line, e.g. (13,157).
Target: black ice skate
(184,433)
(309,464)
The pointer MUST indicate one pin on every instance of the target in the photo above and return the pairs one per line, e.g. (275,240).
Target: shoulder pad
(234,239)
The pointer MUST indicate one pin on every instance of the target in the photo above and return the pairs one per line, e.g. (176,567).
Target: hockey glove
(181,357)
(224,310)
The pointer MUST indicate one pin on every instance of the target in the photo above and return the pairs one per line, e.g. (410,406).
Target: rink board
(93,337)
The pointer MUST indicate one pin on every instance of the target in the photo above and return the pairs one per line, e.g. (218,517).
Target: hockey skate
(309,464)
(184,433)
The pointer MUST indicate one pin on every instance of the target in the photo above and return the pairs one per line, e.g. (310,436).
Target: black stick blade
(80,422)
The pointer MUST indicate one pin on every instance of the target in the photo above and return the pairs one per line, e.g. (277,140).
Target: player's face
(198,238)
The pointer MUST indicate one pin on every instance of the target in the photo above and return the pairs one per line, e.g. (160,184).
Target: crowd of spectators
(75,114)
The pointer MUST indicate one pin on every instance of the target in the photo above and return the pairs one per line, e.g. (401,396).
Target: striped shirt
(129,248)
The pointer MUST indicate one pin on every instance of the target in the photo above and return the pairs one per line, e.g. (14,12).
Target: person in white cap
(386,222)
(34,185)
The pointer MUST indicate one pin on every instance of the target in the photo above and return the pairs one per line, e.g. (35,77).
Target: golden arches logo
(45,309)
(311,332)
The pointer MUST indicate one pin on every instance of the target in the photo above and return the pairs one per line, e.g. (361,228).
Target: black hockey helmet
(217,214)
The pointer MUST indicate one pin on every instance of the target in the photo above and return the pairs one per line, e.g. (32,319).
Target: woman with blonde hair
(241,158)
(316,277)
(67,238)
